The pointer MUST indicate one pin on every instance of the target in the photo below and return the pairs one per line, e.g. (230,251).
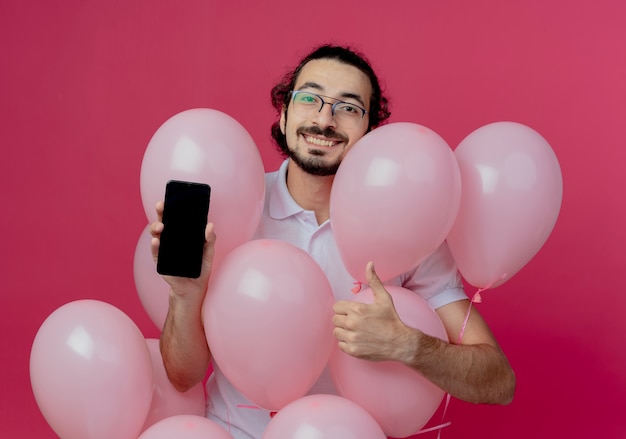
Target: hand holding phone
(185,211)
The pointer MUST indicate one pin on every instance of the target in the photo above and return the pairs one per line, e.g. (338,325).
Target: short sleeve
(436,279)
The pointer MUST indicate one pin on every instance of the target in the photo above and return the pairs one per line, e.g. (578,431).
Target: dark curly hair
(379,104)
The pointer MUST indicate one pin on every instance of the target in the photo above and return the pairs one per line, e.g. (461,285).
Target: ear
(283,120)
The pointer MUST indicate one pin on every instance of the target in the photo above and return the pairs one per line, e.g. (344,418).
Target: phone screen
(186,207)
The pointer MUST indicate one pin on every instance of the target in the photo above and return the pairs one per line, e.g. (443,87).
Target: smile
(319,142)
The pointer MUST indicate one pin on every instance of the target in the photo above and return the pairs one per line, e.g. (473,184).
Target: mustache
(326,132)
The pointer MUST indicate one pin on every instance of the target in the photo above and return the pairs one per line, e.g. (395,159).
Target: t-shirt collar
(282,204)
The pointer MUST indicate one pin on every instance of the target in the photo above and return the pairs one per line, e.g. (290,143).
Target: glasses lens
(306,103)
(349,111)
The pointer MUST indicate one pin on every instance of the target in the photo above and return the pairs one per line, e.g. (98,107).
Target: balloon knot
(272,414)
(357,287)
(477,298)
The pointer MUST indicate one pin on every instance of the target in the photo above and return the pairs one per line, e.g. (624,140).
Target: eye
(307,98)
(347,108)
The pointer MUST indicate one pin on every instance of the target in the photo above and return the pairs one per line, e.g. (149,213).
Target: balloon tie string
(255,407)
(228,419)
(476,298)
(440,426)
(443,415)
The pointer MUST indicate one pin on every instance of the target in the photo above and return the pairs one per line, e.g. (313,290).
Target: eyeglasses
(306,103)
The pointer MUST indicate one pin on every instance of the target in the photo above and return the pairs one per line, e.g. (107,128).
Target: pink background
(85,84)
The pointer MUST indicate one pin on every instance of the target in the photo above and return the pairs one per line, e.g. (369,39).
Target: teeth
(320,142)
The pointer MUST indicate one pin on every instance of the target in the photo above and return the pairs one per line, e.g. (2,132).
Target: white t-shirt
(436,280)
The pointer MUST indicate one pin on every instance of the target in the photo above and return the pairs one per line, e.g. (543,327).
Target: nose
(324,116)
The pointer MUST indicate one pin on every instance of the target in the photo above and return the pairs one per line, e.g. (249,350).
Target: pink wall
(84,85)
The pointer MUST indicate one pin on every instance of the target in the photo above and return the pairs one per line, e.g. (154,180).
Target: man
(325,105)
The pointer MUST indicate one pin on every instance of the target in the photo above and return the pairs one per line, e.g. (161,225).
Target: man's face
(318,141)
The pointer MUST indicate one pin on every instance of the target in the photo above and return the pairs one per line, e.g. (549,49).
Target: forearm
(478,373)
(184,348)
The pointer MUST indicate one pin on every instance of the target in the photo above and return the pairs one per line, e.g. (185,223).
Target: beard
(312,162)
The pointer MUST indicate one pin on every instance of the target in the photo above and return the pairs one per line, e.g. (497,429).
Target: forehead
(335,79)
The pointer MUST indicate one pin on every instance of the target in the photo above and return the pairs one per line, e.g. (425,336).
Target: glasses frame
(294,93)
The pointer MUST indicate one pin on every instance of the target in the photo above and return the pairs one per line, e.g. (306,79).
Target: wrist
(185,299)
(407,346)
(418,347)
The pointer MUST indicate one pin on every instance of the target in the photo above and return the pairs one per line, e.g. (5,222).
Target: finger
(371,276)
(340,334)
(154,248)
(156,228)
(159,210)
(342,345)
(340,321)
(209,244)
(374,281)
(342,307)
(209,233)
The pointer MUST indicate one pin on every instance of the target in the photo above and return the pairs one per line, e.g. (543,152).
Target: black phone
(186,207)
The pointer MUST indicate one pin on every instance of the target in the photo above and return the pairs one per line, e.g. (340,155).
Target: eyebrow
(345,95)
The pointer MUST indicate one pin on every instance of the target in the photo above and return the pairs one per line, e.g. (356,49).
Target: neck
(311,192)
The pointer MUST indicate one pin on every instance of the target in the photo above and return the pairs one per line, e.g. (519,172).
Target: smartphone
(185,211)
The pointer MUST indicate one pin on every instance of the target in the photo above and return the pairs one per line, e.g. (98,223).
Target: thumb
(374,282)
(209,246)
